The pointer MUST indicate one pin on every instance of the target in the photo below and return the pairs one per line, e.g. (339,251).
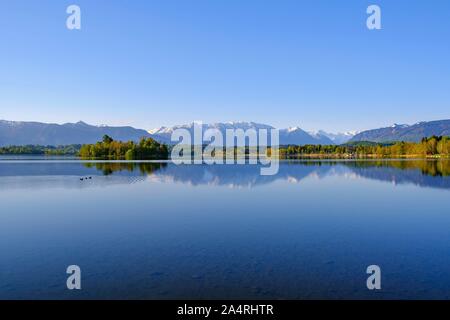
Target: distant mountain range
(37,133)
(293,135)
(404,132)
(336,138)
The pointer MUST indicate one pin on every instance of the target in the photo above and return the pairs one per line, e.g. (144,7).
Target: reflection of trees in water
(431,173)
(435,168)
(109,168)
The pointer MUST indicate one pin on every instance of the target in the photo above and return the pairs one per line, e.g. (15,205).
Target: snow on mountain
(336,138)
(292,135)
(396,125)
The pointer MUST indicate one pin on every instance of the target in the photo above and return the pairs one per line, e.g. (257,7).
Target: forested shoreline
(433,147)
(72,150)
(149,149)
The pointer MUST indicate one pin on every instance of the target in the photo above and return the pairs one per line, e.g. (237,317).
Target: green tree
(107,139)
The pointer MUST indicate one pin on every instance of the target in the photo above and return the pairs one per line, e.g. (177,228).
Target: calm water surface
(160,231)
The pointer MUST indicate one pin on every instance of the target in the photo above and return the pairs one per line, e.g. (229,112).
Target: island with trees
(108,148)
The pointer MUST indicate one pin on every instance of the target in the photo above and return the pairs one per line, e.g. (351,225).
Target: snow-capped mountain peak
(291,135)
(336,138)
(396,125)
(292,129)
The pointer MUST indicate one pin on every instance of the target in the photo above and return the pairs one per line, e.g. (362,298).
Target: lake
(149,230)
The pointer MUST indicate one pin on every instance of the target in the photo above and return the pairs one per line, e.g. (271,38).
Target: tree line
(108,148)
(72,149)
(429,147)
(149,149)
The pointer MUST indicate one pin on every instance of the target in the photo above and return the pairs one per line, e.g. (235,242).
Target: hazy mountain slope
(413,133)
(298,136)
(23,133)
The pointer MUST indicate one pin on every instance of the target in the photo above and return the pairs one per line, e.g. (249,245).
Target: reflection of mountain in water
(234,175)
(426,173)
(419,172)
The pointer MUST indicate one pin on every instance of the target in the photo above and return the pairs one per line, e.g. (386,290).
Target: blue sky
(149,63)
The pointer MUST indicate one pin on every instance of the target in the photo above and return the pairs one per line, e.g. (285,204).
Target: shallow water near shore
(150,230)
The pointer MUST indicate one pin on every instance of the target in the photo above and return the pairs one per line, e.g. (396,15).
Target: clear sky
(312,64)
